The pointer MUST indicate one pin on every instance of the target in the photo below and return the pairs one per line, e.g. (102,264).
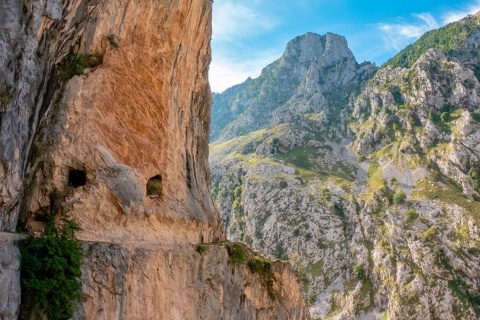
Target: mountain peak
(312,66)
(311,47)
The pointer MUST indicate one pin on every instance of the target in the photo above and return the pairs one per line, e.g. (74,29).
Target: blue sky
(248,35)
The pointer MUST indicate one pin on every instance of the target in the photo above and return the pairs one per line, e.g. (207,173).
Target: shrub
(411,215)
(237,253)
(260,266)
(361,158)
(399,197)
(50,270)
(430,233)
(201,248)
(326,194)
(75,64)
(311,298)
(359,271)
(445,117)
(112,40)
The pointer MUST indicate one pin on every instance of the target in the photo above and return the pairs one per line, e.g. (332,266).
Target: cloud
(453,16)
(225,73)
(232,21)
(398,35)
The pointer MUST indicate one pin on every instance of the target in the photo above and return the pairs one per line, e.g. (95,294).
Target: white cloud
(225,73)
(232,21)
(453,16)
(398,35)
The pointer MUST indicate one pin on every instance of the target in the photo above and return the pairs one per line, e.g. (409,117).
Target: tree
(50,270)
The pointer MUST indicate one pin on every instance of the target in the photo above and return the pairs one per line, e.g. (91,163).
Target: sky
(249,35)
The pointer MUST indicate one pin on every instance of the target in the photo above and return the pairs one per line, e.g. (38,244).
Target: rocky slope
(104,117)
(371,192)
(312,69)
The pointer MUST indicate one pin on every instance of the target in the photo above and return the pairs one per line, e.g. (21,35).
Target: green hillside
(447,39)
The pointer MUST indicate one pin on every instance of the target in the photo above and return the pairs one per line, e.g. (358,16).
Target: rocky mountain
(104,121)
(311,72)
(367,180)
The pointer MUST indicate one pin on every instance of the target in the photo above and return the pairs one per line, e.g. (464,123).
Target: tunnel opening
(77,178)
(154,186)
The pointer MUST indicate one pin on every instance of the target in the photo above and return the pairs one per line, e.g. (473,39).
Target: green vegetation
(447,39)
(311,298)
(243,144)
(399,197)
(476,115)
(461,289)
(50,270)
(410,215)
(377,185)
(359,271)
(445,117)
(240,254)
(475,175)
(75,64)
(430,233)
(201,248)
(113,41)
(237,253)
(450,193)
(263,267)
(280,252)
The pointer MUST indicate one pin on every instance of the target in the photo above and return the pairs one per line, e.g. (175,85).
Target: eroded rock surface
(9,276)
(177,282)
(104,116)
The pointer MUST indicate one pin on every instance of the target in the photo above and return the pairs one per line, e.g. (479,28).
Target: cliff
(370,186)
(104,117)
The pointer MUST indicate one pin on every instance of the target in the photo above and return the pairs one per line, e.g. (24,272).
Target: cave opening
(77,178)
(154,186)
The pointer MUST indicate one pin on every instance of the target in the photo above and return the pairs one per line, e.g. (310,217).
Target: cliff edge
(104,117)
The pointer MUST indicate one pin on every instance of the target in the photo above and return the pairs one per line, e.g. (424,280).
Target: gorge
(366,179)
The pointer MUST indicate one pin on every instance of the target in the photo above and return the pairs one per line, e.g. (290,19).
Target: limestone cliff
(141,113)
(104,116)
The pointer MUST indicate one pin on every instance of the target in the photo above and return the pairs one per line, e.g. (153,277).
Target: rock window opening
(154,186)
(77,178)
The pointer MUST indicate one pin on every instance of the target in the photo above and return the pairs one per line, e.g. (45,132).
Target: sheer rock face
(122,147)
(127,282)
(9,277)
(142,113)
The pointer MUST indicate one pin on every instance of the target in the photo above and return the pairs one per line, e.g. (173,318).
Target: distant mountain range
(367,179)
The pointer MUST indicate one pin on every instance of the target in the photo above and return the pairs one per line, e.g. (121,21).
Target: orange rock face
(142,113)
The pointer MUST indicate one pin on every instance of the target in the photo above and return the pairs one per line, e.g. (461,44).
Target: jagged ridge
(377,206)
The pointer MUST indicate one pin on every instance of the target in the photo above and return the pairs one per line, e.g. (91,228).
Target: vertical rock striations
(140,113)
(104,116)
